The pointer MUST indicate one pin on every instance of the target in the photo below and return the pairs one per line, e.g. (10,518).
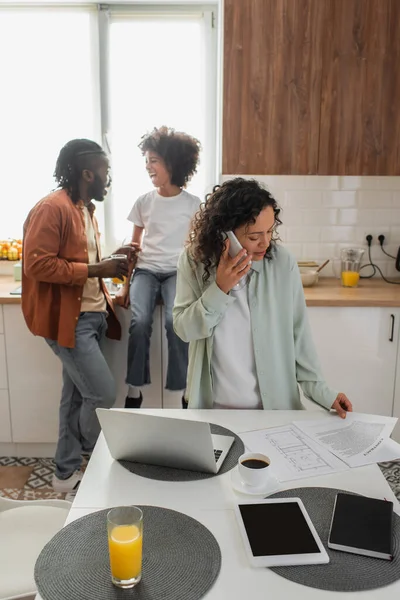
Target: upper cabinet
(360,91)
(311,87)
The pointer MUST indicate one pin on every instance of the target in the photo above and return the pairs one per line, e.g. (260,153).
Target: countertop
(7,285)
(328,292)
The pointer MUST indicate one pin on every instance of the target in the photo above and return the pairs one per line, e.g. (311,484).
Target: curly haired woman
(163,216)
(245,317)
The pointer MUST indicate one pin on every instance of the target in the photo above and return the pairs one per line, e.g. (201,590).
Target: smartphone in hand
(234,245)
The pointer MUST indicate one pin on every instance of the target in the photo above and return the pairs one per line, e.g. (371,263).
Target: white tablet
(279,532)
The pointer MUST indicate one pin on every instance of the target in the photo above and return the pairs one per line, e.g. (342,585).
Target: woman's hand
(229,271)
(342,405)
(130,250)
(121,298)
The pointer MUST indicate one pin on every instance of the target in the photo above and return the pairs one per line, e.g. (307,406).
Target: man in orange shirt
(65,300)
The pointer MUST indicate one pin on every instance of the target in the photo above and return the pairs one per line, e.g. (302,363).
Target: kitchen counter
(328,292)
(370,292)
(7,285)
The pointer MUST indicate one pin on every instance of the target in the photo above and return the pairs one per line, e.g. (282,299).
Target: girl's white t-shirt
(166,223)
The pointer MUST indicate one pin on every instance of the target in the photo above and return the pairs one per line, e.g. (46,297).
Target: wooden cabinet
(272,79)
(311,87)
(360,88)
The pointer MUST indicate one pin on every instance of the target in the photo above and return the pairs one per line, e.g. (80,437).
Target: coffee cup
(254,468)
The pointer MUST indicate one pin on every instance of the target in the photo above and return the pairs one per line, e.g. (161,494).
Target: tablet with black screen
(279,532)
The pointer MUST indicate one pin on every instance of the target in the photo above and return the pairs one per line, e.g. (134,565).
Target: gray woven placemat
(181,560)
(345,572)
(171,474)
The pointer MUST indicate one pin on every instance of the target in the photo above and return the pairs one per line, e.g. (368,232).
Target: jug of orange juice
(350,266)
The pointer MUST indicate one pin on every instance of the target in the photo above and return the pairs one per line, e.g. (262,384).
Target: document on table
(359,439)
(293,454)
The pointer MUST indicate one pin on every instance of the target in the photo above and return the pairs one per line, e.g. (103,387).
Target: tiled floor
(30,478)
(27,479)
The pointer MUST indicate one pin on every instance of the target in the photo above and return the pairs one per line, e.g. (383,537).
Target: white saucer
(271,486)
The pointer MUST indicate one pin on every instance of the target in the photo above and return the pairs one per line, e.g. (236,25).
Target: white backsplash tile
(303,234)
(321,215)
(340,199)
(348,216)
(375,199)
(303,199)
(338,234)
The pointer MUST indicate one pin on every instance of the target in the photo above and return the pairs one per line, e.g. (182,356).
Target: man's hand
(130,250)
(110,267)
(342,405)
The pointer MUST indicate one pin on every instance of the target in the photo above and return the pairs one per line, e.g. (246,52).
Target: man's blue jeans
(147,287)
(87,385)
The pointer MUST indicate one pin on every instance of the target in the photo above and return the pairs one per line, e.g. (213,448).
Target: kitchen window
(109,73)
(49,94)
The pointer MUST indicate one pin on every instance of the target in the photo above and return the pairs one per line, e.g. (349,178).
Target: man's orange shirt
(55,269)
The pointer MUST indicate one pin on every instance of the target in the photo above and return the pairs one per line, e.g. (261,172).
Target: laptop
(163,441)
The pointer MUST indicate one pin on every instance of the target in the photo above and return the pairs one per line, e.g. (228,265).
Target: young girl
(245,317)
(162,218)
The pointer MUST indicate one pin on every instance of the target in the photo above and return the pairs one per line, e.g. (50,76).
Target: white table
(211,502)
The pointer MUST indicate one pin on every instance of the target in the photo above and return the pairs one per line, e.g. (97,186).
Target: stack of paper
(323,446)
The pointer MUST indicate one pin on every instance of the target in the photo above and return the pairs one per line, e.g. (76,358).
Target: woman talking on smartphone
(245,315)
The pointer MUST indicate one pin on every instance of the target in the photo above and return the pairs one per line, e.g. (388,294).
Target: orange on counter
(10,249)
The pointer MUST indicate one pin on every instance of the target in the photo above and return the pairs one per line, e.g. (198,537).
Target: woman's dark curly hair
(235,203)
(179,151)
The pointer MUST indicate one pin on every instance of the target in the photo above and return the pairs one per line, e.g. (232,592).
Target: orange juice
(350,278)
(125,547)
(117,281)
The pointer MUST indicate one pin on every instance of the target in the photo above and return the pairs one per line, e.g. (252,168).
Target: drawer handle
(392,329)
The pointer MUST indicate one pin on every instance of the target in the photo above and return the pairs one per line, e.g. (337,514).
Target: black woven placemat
(171,474)
(345,572)
(181,560)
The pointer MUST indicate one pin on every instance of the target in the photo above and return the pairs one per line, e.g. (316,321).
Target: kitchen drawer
(3,364)
(5,424)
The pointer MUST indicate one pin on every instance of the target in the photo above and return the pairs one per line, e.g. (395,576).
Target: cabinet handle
(392,329)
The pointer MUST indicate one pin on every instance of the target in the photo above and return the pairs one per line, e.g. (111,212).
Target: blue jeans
(87,384)
(147,287)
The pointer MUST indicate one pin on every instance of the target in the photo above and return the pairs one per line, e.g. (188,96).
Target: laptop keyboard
(217,454)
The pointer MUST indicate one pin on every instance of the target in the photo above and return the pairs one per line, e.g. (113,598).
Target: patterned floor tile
(12,476)
(391,472)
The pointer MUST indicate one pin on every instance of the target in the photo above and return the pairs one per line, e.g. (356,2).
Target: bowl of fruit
(11,250)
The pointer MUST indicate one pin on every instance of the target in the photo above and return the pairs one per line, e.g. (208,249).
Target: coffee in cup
(254,468)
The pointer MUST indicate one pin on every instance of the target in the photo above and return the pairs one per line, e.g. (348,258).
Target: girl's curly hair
(179,151)
(235,203)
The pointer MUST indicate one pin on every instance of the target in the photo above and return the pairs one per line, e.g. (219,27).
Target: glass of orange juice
(350,266)
(125,540)
(116,280)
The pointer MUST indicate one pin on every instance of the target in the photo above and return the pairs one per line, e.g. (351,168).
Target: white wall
(321,215)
